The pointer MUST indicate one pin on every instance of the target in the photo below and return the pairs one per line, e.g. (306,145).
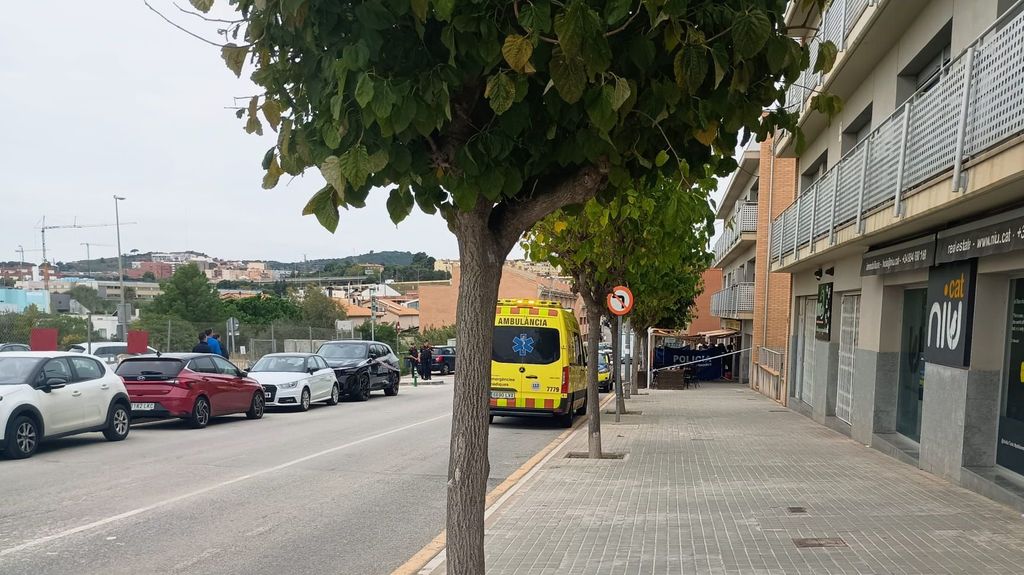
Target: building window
(814,172)
(857,131)
(924,70)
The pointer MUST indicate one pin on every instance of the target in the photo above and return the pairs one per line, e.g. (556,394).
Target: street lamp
(122,316)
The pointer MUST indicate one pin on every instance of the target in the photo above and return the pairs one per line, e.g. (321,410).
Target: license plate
(503,395)
(143,406)
(267,394)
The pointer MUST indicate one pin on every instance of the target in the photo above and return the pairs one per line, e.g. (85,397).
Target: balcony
(734,302)
(739,234)
(969,121)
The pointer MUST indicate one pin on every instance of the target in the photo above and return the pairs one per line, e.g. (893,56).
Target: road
(353,489)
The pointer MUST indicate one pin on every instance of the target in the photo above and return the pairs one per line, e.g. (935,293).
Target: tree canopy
(320,310)
(190,296)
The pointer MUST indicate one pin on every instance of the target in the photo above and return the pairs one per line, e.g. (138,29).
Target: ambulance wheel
(490,419)
(583,408)
(565,419)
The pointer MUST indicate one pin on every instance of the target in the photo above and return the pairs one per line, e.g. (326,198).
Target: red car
(192,386)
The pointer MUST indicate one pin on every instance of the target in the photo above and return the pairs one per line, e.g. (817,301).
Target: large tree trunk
(468,466)
(593,398)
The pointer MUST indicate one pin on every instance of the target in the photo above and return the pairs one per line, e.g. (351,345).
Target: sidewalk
(705,488)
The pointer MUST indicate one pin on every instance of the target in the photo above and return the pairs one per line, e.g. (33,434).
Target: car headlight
(289,385)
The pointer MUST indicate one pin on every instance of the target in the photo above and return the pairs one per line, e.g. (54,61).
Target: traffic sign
(620,301)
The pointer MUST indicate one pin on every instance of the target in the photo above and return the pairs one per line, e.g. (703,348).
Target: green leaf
(750,31)
(568,75)
(827,53)
(324,205)
(721,60)
(201,5)
(616,10)
(400,203)
(776,51)
(419,8)
(252,125)
(444,9)
(364,90)
(661,158)
(268,157)
(273,174)
(535,17)
(465,196)
(374,15)
(330,169)
(501,92)
(597,54)
(574,26)
(378,160)
(272,112)
(599,108)
(620,94)
(517,51)
(355,165)
(234,57)
(331,136)
(383,99)
(690,67)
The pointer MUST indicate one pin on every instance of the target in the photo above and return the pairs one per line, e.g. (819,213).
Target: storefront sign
(995,235)
(823,316)
(950,312)
(912,255)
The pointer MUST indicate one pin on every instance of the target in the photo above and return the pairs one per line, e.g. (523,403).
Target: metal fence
(733,301)
(742,220)
(768,372)
(974,105)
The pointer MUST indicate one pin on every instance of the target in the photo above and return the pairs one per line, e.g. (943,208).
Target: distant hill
(386,258)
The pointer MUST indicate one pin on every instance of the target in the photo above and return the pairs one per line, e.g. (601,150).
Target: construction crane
(88,257)
(21,250)
(45,266)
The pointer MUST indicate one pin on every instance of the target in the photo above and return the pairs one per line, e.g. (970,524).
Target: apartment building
(753,302)
(905,243)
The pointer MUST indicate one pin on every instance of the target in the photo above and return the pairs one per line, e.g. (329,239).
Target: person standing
(202,346)
(223,348)
(425,358)
(212,342)
(413,359)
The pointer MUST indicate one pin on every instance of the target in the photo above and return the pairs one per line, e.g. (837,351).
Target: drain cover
(585,455)
(815,542)
(795,510)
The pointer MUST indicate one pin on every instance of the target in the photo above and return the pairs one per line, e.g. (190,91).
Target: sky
(109,99)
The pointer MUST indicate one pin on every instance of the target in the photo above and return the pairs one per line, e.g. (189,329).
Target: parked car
(296,380)
(44,395)
(191,386)
(13,347)
(443,360)
(362,366)
(109,351)
(605,380)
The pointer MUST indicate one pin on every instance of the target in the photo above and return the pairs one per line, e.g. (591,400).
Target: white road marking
(189,495)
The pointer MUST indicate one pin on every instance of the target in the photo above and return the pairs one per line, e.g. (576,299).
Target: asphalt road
(353,489)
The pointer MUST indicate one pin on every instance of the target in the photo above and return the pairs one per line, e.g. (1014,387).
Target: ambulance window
(524,344)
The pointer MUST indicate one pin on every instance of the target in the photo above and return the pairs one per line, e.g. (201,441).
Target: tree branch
(509,220)
(189,32)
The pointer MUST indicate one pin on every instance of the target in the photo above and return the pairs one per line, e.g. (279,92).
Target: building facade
(703,320)
(905,242)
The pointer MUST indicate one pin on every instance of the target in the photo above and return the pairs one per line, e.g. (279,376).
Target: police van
(538,361)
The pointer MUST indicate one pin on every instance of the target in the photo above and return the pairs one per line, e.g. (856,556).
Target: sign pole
(617,368)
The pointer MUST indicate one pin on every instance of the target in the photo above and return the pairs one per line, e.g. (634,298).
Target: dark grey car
(362,366)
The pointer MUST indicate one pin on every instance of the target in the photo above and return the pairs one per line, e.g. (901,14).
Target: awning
(718,333)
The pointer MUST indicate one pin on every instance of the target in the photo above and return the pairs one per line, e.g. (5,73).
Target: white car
(111,352)
(296,380)
(52,394)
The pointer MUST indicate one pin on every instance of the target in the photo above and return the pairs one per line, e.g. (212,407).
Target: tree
(644,234)
(495,114)
(189,296)
(149,277)
(91,299)
(263,309)
(320,310)
(383,332)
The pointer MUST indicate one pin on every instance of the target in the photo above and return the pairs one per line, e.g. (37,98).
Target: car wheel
(256,407)
(565,419)
(362,392)
(445,370)
(200,417)
(119,422)
(391,389)
(304,400)
(335,395)
(490,419)
(583,408)
(22,437)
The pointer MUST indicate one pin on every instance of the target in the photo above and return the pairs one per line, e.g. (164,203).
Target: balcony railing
(743,220)
(770,359)
(837,23)
(733,301)
(973,106)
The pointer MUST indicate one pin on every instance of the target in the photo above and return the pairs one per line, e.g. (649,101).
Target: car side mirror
(243,373)
(311,370)
(53,383)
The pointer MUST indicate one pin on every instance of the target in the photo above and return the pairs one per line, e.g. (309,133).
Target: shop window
(1010,449)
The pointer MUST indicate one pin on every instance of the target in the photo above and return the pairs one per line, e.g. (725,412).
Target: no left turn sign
(620,301)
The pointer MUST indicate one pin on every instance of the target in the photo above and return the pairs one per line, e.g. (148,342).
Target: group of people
(421,359)
(209,342)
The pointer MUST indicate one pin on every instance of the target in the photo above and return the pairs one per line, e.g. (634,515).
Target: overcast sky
(107,99)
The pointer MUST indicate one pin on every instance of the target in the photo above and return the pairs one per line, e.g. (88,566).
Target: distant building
(16,271)
(398,315)
(142,290)
(15,300)
(704,322)
(160,270)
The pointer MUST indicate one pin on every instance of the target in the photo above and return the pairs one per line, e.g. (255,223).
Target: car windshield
(156,367)
(17,370)
(343,350)
(290,364)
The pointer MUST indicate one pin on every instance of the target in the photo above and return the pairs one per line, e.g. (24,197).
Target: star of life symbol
(522,344)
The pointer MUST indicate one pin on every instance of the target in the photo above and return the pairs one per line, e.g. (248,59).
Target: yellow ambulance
(538,362)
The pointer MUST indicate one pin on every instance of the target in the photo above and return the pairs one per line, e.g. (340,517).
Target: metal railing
(733,301)
(972,106)
(742,220)
(837,23)
(768,372)
(770,359)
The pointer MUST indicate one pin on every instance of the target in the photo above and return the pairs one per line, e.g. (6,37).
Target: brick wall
(702,318)
(774,333)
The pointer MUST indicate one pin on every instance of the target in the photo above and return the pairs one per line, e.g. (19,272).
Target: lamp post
(122,316)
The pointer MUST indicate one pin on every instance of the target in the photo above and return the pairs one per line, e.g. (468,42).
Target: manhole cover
(796,510)
(816,542)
